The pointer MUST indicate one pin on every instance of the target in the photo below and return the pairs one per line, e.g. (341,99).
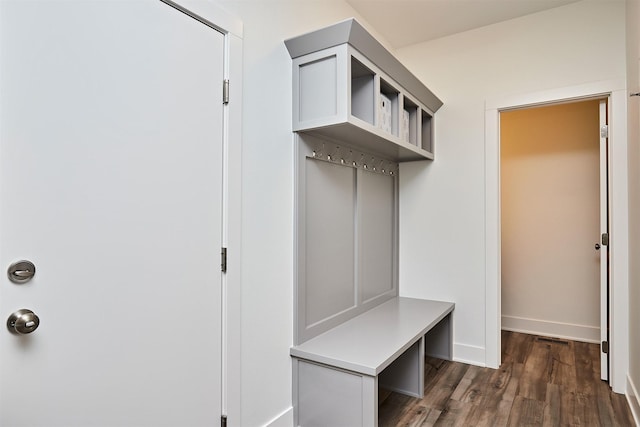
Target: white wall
(442,224)
(633,84)
(550,201)
(267,223)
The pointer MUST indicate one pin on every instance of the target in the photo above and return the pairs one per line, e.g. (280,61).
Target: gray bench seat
(337,374)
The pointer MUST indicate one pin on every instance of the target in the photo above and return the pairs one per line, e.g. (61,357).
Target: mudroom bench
(336,374)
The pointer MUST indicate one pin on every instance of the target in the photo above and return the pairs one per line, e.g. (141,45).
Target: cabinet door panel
(376,233)
(330,207)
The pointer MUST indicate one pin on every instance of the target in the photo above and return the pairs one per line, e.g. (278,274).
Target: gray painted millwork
(346,234)
(368,343)
(323,396)
(341,93)
(336,375)
(351,32)
(356,113)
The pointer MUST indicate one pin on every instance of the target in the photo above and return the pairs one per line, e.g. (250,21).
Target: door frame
(232,29)
(605,197)
(618,210)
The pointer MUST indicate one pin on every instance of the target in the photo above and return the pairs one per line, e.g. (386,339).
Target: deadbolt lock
(21,272)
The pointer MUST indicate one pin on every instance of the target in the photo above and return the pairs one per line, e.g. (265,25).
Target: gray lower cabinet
(336,375)
(328,396)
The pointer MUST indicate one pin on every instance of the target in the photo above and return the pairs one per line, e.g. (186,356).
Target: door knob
(23,322)
(597,246)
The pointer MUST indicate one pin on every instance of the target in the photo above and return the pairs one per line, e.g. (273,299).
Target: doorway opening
(553,213)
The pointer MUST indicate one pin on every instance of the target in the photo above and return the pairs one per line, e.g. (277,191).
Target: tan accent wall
(551,220)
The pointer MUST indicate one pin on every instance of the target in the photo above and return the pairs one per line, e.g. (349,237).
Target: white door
(603,244)
(111,184)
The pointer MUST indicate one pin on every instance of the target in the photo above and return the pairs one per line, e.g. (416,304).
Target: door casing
(232,29)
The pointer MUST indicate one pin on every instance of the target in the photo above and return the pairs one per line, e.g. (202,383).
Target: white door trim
(232,29)
(603,117)
(619,348)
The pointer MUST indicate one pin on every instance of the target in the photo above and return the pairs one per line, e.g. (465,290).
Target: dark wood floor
(540,383)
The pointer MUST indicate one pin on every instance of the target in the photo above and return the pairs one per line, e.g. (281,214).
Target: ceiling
(406,22)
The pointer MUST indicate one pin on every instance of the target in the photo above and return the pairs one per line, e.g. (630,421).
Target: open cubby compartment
(410,114)
(426,128)
(388,105)
(362,91)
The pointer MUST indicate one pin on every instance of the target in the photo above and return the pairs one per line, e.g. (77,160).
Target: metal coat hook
(335,154)
(317,153)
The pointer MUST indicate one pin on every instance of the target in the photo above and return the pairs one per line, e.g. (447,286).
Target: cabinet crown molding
(353,33)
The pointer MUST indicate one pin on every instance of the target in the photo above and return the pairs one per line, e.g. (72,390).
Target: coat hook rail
(346,156)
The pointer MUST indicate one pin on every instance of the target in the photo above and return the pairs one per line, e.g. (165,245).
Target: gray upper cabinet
(347,86)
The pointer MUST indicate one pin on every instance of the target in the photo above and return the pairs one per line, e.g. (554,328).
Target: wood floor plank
(604,398)
(394,407)
(419,415)
(585,410)
(587,366)
(536,374)
(432,418)
(513,384)
(496,414)
(540,383)
(526,412)
(621,411)
(552,410)
(446,381)
(455,414)
(433,368)
(473,385)
(497,400)
(563,365)
(516,346)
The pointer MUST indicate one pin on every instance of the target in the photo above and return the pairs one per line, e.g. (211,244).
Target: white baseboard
(634,400)
(469,354)
(569,331)
(285,419)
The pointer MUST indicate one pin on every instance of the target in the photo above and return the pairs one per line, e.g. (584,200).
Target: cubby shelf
(348,87)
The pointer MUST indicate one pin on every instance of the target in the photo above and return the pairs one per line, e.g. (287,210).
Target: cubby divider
(427,131)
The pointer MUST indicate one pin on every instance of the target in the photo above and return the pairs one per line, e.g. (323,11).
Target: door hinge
(605,239)
(225,91)
(605,347)
(223,421)
(223,260)
(604,131)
